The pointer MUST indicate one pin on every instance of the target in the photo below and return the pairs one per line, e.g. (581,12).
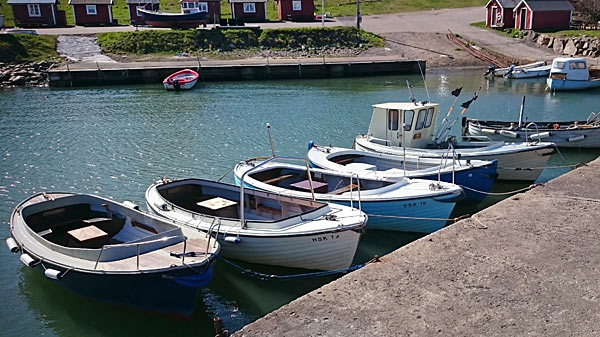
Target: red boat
(182,80)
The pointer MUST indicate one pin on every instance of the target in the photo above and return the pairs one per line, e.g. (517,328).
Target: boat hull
(172,20)
(565,85)
(530,73)
(522,165)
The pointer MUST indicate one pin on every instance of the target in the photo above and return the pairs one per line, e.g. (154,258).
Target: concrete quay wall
(526,266)
(90,73)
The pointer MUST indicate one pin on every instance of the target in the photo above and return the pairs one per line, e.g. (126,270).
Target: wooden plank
(277,179)
(344,189)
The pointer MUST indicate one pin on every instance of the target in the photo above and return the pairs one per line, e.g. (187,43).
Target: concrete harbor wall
(91,73)
(527,265)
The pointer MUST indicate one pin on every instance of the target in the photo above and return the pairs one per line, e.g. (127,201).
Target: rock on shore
(571,46)
(31,74)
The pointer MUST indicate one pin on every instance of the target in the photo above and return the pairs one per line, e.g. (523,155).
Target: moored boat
(112,252)
(475,176)
(181,80)
(541,71)
(409,205)
(172,20)
(572,73)
(407,129)
(499,72)
(262,227)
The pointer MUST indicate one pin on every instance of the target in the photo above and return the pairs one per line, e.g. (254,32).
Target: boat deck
(161,258)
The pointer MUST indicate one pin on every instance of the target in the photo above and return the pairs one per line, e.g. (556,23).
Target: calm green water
(114,141)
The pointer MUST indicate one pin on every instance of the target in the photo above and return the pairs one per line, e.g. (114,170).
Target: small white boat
(181,80)
(541,71)
(577,134)
(499,72)
(570,73)
(408,129)
(473,175)
(262,227)
(402,204)
(112,252)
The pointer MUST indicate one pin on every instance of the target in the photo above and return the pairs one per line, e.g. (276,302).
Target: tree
(589,10)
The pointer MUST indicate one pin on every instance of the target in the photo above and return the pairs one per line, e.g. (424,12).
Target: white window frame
(203,7)
(296,5)
(34,10)
(88,10)
(137,10)
(249,7)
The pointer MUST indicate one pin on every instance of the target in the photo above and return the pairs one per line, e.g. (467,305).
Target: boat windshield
(559,65)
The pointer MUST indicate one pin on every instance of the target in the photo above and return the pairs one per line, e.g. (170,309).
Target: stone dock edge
(92,73)
(528,265)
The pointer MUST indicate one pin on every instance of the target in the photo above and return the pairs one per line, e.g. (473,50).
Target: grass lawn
(335,7)
(26,47)
(572,33)
(514,32)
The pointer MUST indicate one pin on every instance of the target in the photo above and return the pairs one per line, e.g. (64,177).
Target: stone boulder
(570,48)
(558,45)
(543,40)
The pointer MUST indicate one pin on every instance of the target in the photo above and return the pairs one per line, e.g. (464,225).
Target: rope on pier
(503,193)
(268,277)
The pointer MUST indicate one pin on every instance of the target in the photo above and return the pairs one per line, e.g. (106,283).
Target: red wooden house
(211,7)
(249,10)
(132,7)
(296,10)
(92,12)
(37,13)
(499,13)
(539,14)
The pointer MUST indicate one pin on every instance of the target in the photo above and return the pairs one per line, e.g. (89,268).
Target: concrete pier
(527,266)
(92,73)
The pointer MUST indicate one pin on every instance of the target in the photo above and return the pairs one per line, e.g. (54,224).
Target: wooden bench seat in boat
(344,189)
(268,209)
(277,179)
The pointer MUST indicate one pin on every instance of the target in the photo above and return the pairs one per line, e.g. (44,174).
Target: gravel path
(80,48)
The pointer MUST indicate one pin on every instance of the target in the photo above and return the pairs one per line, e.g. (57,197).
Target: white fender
(540,135)
(232,239)
(510,134)
(28,260)
(576,138)
(12,245)
(53,274)
(131,205)
(488,131)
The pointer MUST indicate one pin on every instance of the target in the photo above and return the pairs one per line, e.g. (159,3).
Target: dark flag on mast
(466,104)
(456,92)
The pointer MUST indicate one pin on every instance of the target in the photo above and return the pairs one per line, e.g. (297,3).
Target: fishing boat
(541,71)
(408,129)
(181,80)
(476,177)
(570,73)
(111,251)
(262,227)
(499,72)
(408,205)
(577,134)
(172,20)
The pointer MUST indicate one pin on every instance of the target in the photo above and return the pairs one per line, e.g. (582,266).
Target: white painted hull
(501,71)
(515,162)
(310,242)
(564,85)
(185,86)
(530,73)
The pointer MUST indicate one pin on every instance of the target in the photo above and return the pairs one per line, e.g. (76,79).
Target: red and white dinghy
(182,80)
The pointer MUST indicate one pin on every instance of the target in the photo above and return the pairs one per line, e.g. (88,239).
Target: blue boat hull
(559,85)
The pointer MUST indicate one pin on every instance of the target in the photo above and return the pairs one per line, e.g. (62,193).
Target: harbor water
(115,141)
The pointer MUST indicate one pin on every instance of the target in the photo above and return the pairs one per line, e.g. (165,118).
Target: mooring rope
(503,193)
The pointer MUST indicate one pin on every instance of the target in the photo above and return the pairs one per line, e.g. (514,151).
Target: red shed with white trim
(538,14)
(132,8)
(92,12)
(37,13)
(296,10)
(249,10)
(499,13)
(211,7)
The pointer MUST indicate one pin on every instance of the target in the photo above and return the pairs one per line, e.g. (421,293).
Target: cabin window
(559,65)
(408,119)
(296,5)
(34,10)
(577,65)
(249,7)
(421,119)
(393,120)
(137,10)
(203,6)
(91,10)
(429,117)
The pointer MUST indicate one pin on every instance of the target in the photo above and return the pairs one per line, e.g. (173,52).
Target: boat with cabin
(476,177)
(408,205)
(407,128)
(572,73)
(262,227)
(181,80)
(112,252)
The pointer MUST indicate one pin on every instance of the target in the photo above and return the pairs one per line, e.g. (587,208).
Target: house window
(296,5)
(408,119)
(249,7)
(91,10)
(34,10)
(203,6)
(393,120)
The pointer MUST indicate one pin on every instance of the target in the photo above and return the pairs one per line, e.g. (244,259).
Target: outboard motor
(490,70)
(509,71)
(176,84)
